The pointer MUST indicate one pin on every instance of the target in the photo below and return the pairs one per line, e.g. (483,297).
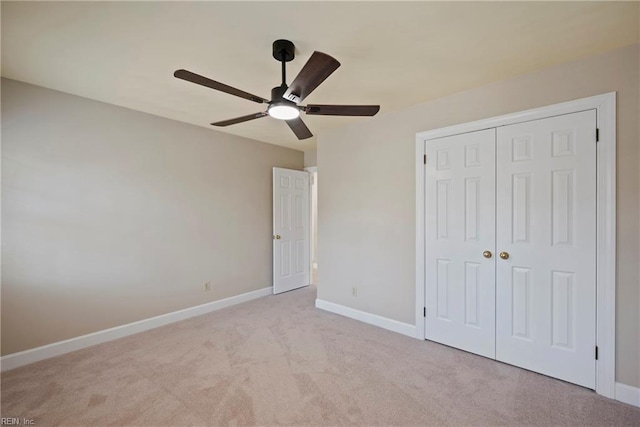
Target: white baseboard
(372,319)
(623,392)
(628,394)
(22,358)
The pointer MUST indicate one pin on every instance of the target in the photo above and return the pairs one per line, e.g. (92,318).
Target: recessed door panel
(460,226)
(562,207)
(521,207)
(300,256)
(521,302)
(442,208)
(285,259)
(285,211)
(471,295)
(299,210)
(443,288)
(563,312)
(471,207)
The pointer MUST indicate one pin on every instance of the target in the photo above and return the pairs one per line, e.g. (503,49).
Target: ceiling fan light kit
(281,108)
(284,103)
(283,111)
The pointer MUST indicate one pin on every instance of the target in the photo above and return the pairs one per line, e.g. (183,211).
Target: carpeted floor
(279,360)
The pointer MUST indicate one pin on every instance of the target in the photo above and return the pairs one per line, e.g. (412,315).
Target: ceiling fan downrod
(283,51)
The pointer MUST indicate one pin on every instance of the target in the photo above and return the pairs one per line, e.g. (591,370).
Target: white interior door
(460,227)
(290,229)
(546,216)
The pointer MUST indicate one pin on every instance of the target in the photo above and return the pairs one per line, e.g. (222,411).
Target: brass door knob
(504,255)
(277,237)
(487,254)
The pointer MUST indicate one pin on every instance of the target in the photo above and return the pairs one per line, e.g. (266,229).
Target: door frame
(605,106)
(311,170)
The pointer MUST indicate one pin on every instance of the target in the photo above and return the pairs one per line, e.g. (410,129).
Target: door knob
(487,254)
(504,255)
(277,237)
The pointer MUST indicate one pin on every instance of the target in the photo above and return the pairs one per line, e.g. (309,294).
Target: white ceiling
(392,54)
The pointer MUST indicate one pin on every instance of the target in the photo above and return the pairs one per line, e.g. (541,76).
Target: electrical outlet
(207,286)
(354,292)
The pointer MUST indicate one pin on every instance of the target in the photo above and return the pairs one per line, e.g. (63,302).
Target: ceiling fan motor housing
(277,93)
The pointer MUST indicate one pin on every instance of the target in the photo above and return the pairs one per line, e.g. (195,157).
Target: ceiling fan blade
(299,128)
(241,119)
(315,71)
(342,110)
(204,81)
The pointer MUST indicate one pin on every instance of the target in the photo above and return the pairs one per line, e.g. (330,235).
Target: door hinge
(596,352)
(425,159)
(597,135)
(424,312)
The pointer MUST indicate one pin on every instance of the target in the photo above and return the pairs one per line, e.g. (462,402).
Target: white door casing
(605,107)
(313,206)
(291,228)
(546,216)
(460,227)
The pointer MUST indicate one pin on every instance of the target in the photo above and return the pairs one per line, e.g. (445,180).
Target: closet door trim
(605,106)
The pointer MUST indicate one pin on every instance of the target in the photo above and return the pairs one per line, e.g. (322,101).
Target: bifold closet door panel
(546,233)
(460,227)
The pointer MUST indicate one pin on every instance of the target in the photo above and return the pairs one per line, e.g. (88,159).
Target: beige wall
(310,158)
(111,216)
(367,190)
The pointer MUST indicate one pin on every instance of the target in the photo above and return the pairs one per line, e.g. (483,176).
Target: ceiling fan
(284,103)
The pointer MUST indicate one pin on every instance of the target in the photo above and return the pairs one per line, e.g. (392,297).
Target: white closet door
(460,226)
(546,207)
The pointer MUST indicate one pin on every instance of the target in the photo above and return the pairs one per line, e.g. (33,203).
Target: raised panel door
(291,229)
(546,207)
(460,226)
